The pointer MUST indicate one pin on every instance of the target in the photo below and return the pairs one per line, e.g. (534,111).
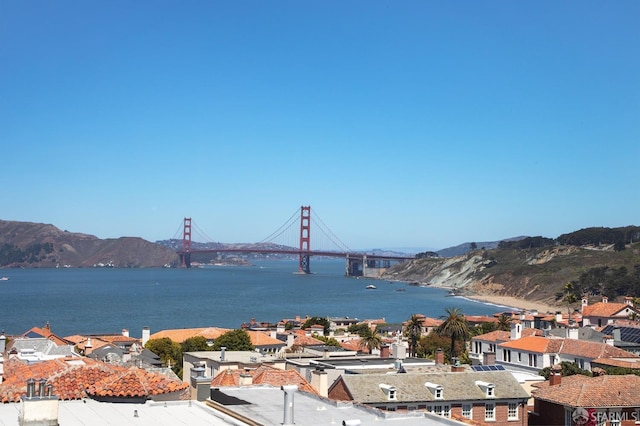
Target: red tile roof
(307,341)
(534,344)
(73,377)
(263,375)
(601,309)
(182,334)
(593,392)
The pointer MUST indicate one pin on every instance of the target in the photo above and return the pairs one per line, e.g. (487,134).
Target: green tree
(473,246)
(568,369)
(170,352)
(317,320)
(329,341)
(359,329)
(413,330)
(234,340)
(429,344)
(195,344)
(504,322)
(454,326)
(370,340)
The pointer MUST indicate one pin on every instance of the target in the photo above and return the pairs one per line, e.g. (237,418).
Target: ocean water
(97,300)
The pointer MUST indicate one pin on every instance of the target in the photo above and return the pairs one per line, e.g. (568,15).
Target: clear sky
(403,124)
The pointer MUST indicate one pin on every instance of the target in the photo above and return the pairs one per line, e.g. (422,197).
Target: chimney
(38,407)
(3,343)
(558,316)
(605,299)
(319,381)
(223,349)
(289,391)
(616,334)
(456,367)
(246,379)
(584,303)
(125,332)
(290,339)
(556,375)
(325,354)
(516,331)
(488,358)
(439,357)
(146,335)
(573,333)
(522,315)
(628,300)
(385,352)
(88,347)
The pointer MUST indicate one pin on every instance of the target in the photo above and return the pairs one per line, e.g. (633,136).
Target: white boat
(4,278)
(371,286)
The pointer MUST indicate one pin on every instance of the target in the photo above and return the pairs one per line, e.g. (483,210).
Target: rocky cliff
(36,245)
(534,274)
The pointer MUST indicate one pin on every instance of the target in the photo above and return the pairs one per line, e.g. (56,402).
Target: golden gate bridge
(357,263)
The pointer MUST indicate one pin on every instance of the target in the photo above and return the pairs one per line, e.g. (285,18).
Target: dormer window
(487,388)
(436,390)
(390,391)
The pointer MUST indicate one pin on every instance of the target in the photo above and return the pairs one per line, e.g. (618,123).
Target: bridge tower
(186,243)
(305,239)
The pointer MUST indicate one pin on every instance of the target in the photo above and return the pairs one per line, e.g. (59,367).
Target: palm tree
(504,322)
(370,340)
(413,329)
(455,326)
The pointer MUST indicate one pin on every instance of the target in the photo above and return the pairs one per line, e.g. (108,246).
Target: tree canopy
(234,340)
(454,326)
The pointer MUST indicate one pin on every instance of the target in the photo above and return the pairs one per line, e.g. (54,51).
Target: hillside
(536,274)
(37,245)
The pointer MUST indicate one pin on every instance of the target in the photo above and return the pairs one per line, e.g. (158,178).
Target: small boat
(371,286)
(4,278)
(401,289)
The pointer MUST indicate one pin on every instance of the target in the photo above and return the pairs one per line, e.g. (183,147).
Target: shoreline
(514,303)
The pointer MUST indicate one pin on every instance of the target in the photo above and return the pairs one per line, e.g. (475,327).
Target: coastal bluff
(37,245)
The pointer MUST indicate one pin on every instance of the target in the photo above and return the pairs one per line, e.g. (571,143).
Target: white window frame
(512,411)
(489,411)
(467,411)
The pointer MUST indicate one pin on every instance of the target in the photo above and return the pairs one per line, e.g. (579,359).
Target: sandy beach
(516,303)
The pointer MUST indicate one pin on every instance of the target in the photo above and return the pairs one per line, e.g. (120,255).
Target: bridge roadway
(357,263)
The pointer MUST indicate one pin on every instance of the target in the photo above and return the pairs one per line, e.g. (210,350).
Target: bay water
(107,300)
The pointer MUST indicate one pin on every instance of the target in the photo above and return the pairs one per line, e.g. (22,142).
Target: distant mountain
(467,247)
(37,245)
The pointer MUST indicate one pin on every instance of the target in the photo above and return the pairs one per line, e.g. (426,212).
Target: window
(392,394)
(552,360)
(438,394)
(489,411)
(519,357)
(512,413)
(466,411)
(506,355)
(441,410)
(533,360)
(490,391)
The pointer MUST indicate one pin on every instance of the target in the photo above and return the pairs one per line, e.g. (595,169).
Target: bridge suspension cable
(178,233)
(285,227)
(201,233)
(328,233)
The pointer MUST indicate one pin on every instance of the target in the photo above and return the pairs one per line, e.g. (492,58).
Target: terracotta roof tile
(534,344)
(601,309)
(592,350)
(494,336)
(262,338)
(71,377)
(307,341)
(182,334)
(593,392)
(263,375)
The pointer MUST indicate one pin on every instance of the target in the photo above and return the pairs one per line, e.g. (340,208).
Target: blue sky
(403,124)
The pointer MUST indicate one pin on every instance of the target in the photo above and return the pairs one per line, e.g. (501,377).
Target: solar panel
(487,368)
